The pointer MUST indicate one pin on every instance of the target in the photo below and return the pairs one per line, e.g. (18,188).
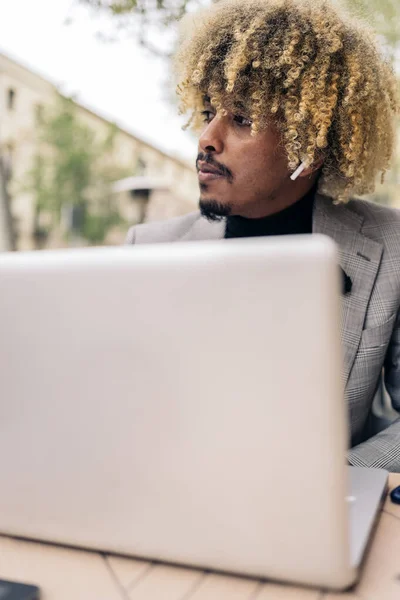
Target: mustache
(210,160)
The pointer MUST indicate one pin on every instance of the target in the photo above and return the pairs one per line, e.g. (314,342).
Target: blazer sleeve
(383,450)
(131,235)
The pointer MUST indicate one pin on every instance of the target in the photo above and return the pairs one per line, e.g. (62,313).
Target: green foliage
(166,9)
(144,20)
(96,227)
(383,15)
(72,168)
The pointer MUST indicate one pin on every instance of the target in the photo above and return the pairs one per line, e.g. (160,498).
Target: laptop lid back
(178,402)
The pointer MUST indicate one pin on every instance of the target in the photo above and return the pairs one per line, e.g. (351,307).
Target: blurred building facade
(161,186)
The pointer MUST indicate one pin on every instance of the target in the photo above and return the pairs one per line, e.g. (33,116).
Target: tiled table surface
(66,574)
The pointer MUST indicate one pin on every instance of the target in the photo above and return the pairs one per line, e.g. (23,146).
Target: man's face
(239,174)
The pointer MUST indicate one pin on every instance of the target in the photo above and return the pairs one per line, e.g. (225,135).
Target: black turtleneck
(295,219)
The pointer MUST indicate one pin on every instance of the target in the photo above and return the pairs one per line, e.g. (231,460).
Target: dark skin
(250,176)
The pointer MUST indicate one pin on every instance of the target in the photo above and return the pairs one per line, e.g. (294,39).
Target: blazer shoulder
(375,214)
(380,223)
(171,230)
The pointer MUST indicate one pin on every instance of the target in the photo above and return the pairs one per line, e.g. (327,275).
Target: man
(296,107)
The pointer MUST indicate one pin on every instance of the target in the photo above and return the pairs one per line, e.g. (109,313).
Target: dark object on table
(10,590)
(395,495)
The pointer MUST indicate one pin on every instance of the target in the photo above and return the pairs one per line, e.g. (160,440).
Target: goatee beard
(214,211)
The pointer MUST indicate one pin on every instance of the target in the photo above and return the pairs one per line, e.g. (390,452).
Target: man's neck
(287,195)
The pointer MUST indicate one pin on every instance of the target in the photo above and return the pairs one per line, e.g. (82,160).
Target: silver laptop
(183,403)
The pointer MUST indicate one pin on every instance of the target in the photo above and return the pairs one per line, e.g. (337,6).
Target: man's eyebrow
(207,103)
(239,106)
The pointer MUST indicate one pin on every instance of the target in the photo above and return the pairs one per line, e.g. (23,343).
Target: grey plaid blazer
(368,237)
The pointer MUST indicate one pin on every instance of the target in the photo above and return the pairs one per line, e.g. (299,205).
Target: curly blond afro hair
(307,65)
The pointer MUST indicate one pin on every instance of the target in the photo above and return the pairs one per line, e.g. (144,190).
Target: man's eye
(208,115)
(242,121)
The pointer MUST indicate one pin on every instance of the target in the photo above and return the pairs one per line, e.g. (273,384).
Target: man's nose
(212,138)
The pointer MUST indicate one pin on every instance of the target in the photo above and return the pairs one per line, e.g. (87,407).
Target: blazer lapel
(360,259)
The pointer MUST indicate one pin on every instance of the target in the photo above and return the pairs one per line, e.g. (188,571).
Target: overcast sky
(120,80)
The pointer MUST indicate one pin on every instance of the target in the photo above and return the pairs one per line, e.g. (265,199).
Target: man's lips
(208,172)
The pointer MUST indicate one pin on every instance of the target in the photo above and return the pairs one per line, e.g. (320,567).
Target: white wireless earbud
(298,171)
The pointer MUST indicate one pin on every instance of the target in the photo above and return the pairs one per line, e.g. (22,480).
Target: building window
(39,110)
(141,166)
(10,99)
